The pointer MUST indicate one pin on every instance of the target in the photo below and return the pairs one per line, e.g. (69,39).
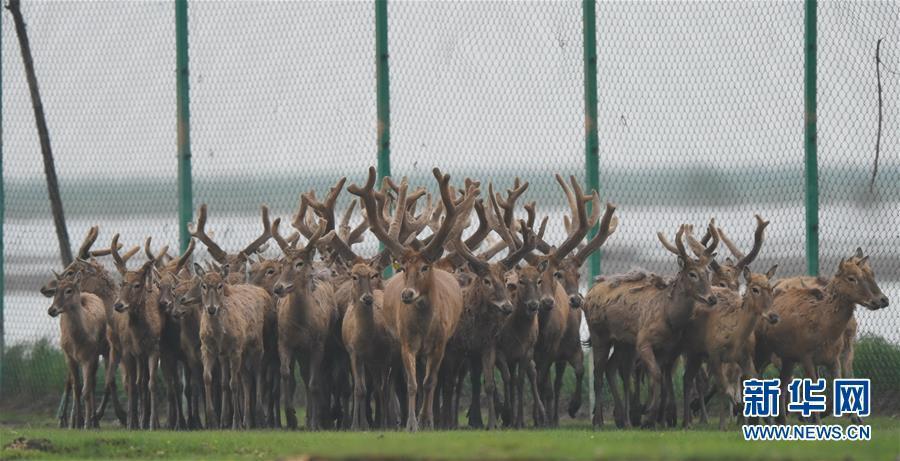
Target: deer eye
(511,286)
(270,271)
(487,282)
(203,286)
(374,276)
(298,264)
(722,284)
(851,279)
(539,282)
(136,285)
(354,277)
(558,275)
(692,275)
(424,269)
(755,290)
(68,291)
(220,286)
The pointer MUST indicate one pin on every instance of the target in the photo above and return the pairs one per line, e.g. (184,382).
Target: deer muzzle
(120,307)
(212,309)
(711,300)
(281,289)
(504,307)
(533,306)
(53,311)
(547,303)
(408,295)
(772,318)
(883,302)
(367,299)
(576,301)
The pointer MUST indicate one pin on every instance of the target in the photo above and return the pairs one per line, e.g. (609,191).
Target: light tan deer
(422,303)
(231,329)
(809,322)
(233,264)
(98,281)
(83,339)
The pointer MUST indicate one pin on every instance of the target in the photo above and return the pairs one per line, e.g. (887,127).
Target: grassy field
(577,442)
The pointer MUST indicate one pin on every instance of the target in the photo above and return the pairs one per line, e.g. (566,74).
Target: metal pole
(383,89)
(2,217)
(591,143)
(809,139)
(185,189)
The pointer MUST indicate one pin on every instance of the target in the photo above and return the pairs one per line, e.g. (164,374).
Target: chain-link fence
(700,114)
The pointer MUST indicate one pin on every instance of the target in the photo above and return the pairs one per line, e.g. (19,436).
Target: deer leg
(432,366)
(130,368)
(286,358)
(812,373)
(152,367)
(88,376)
(529,368)
(314,390)
(359,422)
(507,408)
(626,373)
(560,366)
(63,413)
(703,393)
(490,386)
(601,358)
(691,367)
(72,365)
(409,367)
(457,394)
(209,361)
(671,406)
(787,368)
(717,369)
(577,362)
(645,352)
(517,376)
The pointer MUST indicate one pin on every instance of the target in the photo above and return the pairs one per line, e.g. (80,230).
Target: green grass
(570,443)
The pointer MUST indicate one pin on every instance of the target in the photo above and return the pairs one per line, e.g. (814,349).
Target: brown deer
(721,336)
(264,273)
(83,339)
(306,312)
(366,335)
(649,321)
(564,268)
(811,320)
(98,281)
(141,320)
(422,303)
(487,304)
(231,329)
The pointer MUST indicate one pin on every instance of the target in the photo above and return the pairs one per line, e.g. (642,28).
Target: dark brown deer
(142,323)
(422,303)
(306,312)
(83,340)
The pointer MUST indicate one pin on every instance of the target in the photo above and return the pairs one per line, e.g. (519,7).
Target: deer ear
(770,274)
(746,273)
(542,266)
(859,252)
(862,261)
(729,261)
(198,269)
(681,262)
(77,279)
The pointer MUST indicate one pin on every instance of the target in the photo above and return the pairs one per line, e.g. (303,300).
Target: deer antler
(340,247)
(435,247)
(299,222)
(200,234)
(185,257)
(678,248)
(120,263)
(376,223)
(89,239)
(326,209)
(158,257)
(528,242)
(757,243)
(262,239)
(608,225)
(580,221)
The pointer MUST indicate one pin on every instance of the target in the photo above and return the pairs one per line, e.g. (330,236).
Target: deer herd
(385,352)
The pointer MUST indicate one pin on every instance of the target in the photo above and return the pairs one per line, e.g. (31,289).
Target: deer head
(693,275)
(365,279)
(415,265)
(67,296)
(135,284)
(231,262)
(169,278)
(212,290)
(84,262)
(296,267)
(759,293)
(524,285)
(726,275)
(855,281)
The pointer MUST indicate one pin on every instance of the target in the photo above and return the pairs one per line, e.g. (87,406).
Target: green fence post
(2,218)
(185,188)
(809,139)
(591,143)
(383,89)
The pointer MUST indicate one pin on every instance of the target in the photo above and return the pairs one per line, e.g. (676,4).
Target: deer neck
(101,285)
(301,301)
(748,319)
(680,307)
(72,321)
(839,310)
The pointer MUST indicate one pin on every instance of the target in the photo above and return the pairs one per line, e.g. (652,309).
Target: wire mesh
(700,115)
